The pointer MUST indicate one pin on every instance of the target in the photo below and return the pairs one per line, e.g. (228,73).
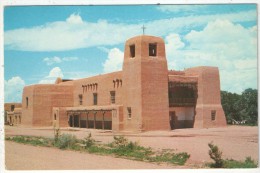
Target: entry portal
(181,117)
(91,119)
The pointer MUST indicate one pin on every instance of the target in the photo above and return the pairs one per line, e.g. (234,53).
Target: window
(55,117)
(129,112)
(27,102)
(95,98)
(80,99)
(213,115)
(132,51)
(113,97)
(12,107)
(152,49)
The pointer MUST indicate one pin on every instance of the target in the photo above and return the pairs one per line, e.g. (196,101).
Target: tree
(240,107)
(247,106)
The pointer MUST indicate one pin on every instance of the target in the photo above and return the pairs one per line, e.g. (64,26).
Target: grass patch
(35,141)
(171,157)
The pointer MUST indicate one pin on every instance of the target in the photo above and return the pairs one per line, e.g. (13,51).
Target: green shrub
(215,154)
(171,157)
(66,141)
(119,141)
(88,141)
(248,163)
(56,134)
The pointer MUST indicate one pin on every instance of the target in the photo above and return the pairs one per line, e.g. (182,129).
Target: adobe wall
(42,98)
(145,86)
(132,87)
(154,74)
(104,85)
(27,110)
(208,97)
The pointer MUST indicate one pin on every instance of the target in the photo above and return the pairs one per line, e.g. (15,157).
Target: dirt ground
(236,142)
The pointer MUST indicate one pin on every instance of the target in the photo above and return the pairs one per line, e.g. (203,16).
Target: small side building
(13,113)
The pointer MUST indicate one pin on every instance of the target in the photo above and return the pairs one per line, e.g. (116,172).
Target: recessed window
(12,107)
(113,97)
(129,112)
(27,102)
(132,51)
(213,115)
(55,117)
(94,98)
(80,99)
(152,49)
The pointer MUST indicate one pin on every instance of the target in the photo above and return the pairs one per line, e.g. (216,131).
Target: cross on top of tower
(143,27)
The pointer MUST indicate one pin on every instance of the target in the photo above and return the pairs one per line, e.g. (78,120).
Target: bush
(56,134)
(89,141)
(215,154)
(66,141)
(248,163)
(120,141)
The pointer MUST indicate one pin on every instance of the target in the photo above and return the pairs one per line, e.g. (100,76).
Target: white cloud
(114,61)
(181,8)
(70,58)
(50,61)
(229,46)
(14,89)
(74,33)
(56,60)
(53,75)
(75,19)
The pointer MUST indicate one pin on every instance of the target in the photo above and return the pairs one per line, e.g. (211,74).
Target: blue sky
(42,43)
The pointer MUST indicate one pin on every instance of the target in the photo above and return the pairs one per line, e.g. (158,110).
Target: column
(79,119)
(103,119)
(87,119)
(95,120)
(73,120)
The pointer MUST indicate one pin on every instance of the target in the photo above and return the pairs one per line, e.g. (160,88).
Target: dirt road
(26,157)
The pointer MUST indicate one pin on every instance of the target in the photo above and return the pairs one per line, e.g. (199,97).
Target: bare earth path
(236,142)
(26,157)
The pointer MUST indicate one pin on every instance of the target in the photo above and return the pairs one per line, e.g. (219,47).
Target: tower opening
(152,49)
(132,51)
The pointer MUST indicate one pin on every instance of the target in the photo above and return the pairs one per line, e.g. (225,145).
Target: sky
(42,43)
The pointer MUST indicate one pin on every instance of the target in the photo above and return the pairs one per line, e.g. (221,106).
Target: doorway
(173,120)
(74,121)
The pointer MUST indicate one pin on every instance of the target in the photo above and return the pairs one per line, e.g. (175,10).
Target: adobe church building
(144,96)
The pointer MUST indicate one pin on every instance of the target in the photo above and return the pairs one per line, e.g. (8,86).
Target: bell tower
(145,80)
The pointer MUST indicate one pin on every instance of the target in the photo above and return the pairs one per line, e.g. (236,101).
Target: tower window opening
(27,102)
(129,111)
(94,98)
(113,97)
(152,49)
(213,115)
(132,51)
(80,99)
